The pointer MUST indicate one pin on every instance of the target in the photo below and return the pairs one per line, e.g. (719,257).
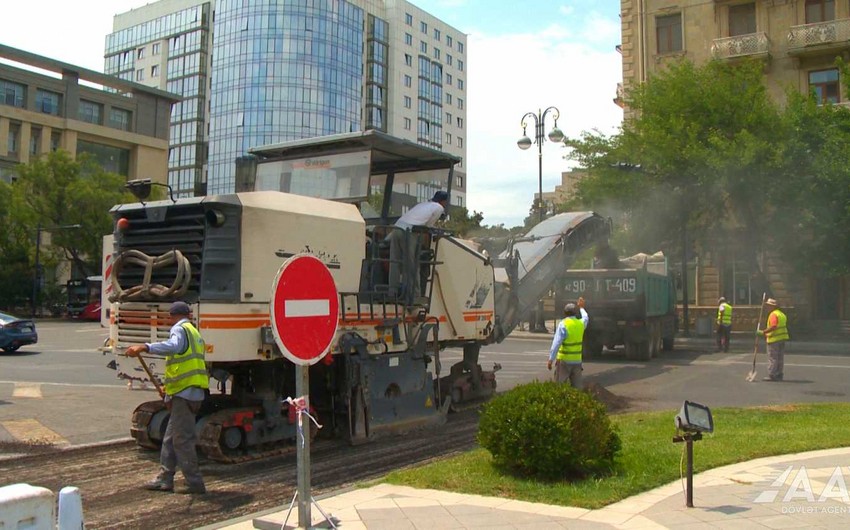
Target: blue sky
(522,56)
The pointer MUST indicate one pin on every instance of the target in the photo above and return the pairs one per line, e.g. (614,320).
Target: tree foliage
(55,191)
(709,152)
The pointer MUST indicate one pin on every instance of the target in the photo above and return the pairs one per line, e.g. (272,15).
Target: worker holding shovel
(777,335)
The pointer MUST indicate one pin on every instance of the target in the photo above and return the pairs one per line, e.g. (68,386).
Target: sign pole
(302,389)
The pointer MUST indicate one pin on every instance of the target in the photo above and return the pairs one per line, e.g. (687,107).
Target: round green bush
(550,431)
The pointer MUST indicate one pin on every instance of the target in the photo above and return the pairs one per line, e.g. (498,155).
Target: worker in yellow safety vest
(186,385)
(724,324)
(777,335)
(565,351)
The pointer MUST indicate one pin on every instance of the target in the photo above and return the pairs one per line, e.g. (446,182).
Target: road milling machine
(336,198)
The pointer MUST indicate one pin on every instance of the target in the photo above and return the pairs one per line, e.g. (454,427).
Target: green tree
(56,190)
(696,158)
(15,244)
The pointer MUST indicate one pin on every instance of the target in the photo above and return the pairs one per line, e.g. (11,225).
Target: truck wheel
(592,349)
(667,343)
(654,340)
(637,351)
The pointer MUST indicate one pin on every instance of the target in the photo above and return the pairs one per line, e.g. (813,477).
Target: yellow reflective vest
(781,331)
(188,368)
(725,317)
(570,349)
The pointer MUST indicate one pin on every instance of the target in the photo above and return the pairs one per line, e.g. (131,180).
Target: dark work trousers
(178,445)
(776,360)
(724,335)
(403,274)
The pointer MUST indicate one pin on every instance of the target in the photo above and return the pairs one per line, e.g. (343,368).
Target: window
(408,81)
(47,102)
(459,122)
(110,158)
(155,48)
(460,47)
(448,138)
(742,19)
(459,141)
(460,65)
(449,118)
(459,181)
(12,93)
(448,59)
(448,79)
(140,74)
(423,27)
(824,84)
(408,19)
(35,140)
(91,112)
(437,53)
(408,39)
(407,124)
(436,34)
(13,141)
(449,41)
(408,59)
(55,140)
(407,102)
(668,33)
(460,103)
(120,119)
(448,99)
(819,11)
(423,46)
(140,53)
(155,70)
(460,84)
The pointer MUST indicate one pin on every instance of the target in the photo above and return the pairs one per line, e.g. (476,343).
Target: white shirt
(423,214)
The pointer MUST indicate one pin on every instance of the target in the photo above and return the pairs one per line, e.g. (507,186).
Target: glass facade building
(260,72)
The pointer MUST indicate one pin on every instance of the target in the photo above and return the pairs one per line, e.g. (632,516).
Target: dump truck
(333,198)
(632,305)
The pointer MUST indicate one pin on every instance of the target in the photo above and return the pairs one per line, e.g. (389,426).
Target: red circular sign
(304,309)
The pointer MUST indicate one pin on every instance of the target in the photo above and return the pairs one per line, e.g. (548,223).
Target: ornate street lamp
(556,136)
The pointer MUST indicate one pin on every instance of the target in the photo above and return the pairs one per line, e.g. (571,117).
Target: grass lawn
(649,458)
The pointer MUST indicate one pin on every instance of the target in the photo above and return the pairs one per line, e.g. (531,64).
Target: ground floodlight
(694,417)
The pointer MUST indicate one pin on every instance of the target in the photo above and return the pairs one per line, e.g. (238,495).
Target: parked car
(16,332)
(90,312)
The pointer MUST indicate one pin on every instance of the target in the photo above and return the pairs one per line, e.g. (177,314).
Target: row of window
(423,28)
(156,29)
(48,102)
(423,47)
(13,140)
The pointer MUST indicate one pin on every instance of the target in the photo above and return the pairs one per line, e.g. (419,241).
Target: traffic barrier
(70,509)
(26,507)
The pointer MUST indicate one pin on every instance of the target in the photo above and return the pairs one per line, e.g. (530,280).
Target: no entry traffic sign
(304,309)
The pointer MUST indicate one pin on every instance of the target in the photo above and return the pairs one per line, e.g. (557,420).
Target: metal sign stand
(302,492)
(689,439)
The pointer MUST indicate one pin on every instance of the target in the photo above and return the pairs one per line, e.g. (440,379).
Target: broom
(752,375)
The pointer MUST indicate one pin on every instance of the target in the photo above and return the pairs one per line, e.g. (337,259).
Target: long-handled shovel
(153,379)
(752,375)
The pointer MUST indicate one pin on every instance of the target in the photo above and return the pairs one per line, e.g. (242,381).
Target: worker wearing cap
(724,324)
(565,351)
(186,384)
(425,214)
(777,335)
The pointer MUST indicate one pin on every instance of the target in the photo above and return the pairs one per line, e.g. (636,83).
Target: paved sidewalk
(790,491)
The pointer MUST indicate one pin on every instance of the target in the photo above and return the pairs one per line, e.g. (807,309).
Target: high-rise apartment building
(259,73)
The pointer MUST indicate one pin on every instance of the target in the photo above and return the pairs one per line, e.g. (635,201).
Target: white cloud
(566,10)
(598,29)
(510,75)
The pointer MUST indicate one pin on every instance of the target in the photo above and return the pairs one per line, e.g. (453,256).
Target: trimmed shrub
(550,431)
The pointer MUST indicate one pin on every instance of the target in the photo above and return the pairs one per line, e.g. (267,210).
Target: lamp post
(555,135)
(36,275)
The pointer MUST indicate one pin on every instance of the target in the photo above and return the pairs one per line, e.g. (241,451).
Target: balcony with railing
(750,45)
(819,37)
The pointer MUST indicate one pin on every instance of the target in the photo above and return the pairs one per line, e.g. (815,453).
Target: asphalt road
(60,391)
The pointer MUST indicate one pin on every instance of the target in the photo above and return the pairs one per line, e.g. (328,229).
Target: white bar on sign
(306,308)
